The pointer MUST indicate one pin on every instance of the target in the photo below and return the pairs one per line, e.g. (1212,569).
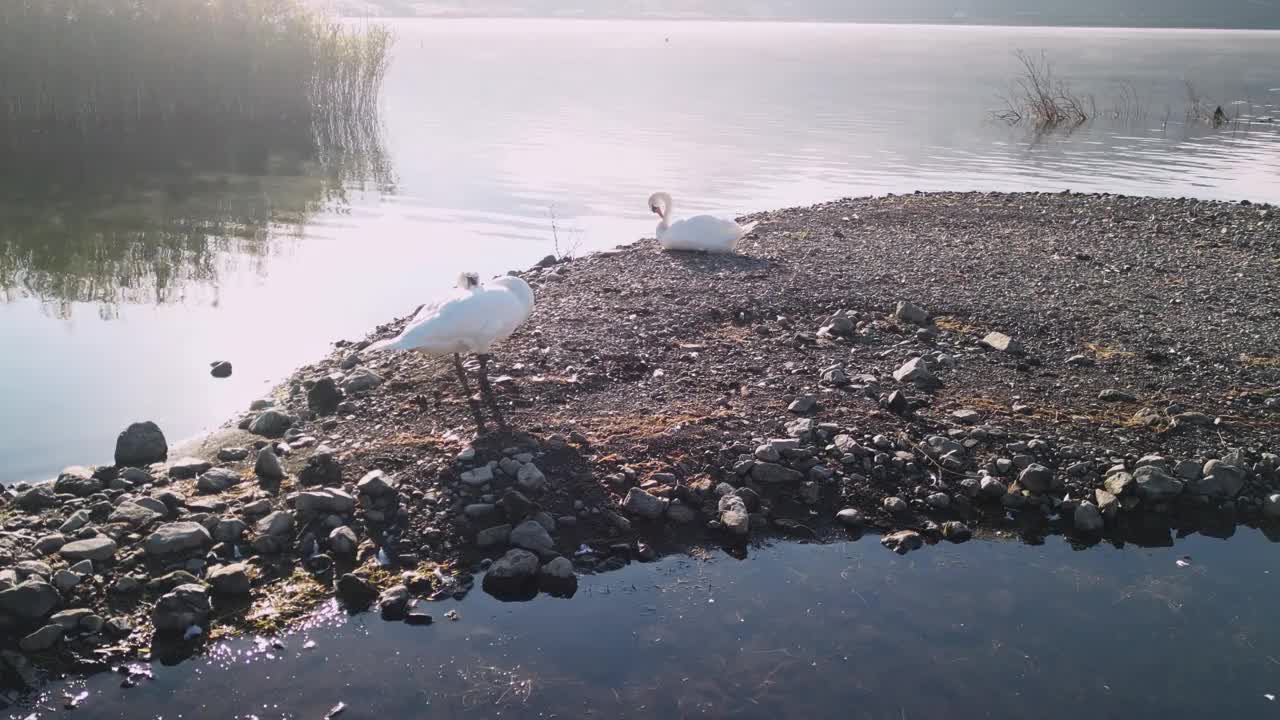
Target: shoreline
(928,367)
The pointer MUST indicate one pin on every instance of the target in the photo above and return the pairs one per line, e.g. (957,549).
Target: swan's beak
(657,211)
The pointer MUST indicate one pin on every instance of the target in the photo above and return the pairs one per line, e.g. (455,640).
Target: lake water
(114,305)
(986,629)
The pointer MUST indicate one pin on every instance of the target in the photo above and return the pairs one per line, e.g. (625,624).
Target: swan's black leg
(466,389)
(486,392)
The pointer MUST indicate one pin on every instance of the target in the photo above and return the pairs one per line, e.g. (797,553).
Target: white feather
(704,233)
(467,320)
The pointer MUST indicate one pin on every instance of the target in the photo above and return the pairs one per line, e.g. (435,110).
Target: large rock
(512,574)
(229,530)
(40,497)
(271,423)
(361,379)
(1156,485)
(229,579)
(97,549)
(141,444)
(78,481)
(1036,478)
(324,396)
(1222,480)
(268,465)
(1118,483)
(639,502)
(179,538)
(180,608)
(530,478)
(733,515)
(496,536)
(916,371)
(355,592)
(911,313)
(132,514)
(375,484)
(531,535)
(903,541)
(29,601)
(558,578)
(321,469)
(277,524)
(393,604)
(1087,520)
(188,467)
(327,501)
(42,639)
(343,541)
(217,480)
(774,474)
(1002,342)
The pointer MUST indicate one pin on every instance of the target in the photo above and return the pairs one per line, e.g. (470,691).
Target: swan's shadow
(704,262)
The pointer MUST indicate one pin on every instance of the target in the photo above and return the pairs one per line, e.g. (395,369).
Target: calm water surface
(998,630)
(115,304)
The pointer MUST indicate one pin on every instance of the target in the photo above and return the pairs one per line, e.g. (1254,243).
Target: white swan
(705,233)
(471,319)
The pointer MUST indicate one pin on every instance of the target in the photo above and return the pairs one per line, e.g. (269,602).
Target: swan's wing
(414,329)
(702,232)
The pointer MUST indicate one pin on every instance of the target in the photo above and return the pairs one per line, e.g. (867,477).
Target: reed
(87,80)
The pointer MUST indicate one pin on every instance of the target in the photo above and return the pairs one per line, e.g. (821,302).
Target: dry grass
(1259,361)
(956,325)
(1039,97)
(1107,352)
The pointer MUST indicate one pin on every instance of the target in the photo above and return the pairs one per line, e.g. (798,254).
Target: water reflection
(986,629)
(143,231)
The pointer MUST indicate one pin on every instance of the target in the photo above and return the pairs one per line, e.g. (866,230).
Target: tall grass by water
(81,80)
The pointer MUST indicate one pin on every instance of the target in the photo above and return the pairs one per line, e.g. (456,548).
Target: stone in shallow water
(903,541)
(850,518)
(512,574)
(220,369)
(558,578)
(180,608)
(1087,518)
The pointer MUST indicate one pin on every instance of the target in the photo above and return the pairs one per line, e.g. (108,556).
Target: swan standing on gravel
(469,320)
(705,233)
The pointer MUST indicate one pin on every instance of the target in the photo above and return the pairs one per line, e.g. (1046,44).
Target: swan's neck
(665,224)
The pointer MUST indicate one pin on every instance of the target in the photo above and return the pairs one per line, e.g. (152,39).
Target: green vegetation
(84,79)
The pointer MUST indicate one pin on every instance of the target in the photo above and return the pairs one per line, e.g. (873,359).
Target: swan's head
(660,204)
(469,281)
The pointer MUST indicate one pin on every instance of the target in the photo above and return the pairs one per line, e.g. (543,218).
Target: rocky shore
(928,366)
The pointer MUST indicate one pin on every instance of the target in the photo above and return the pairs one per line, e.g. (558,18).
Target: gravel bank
(929,366)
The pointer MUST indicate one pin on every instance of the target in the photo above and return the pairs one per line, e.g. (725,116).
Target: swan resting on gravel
(701,233)
(470,319)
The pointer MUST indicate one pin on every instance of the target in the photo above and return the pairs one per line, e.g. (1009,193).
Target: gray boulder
(78,481)
(327,501)
(1156,485)
(229,579)
(271,423)
(42,639)
(558,578)
(141,444)
(911,313)
(268,465)
(38,498)
(531,535)
(29,601)
(188,467)
(179,538)
(512,574)
(497,536)
(343,541)
(180,608)
(639,502)
(1036,478)
(774,474)
(1087,519)
(361,379)
(97,549)
(733,515)
(217,480)
(132,514)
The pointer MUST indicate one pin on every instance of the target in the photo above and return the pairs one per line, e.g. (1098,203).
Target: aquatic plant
(83,80)
(1038,96)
